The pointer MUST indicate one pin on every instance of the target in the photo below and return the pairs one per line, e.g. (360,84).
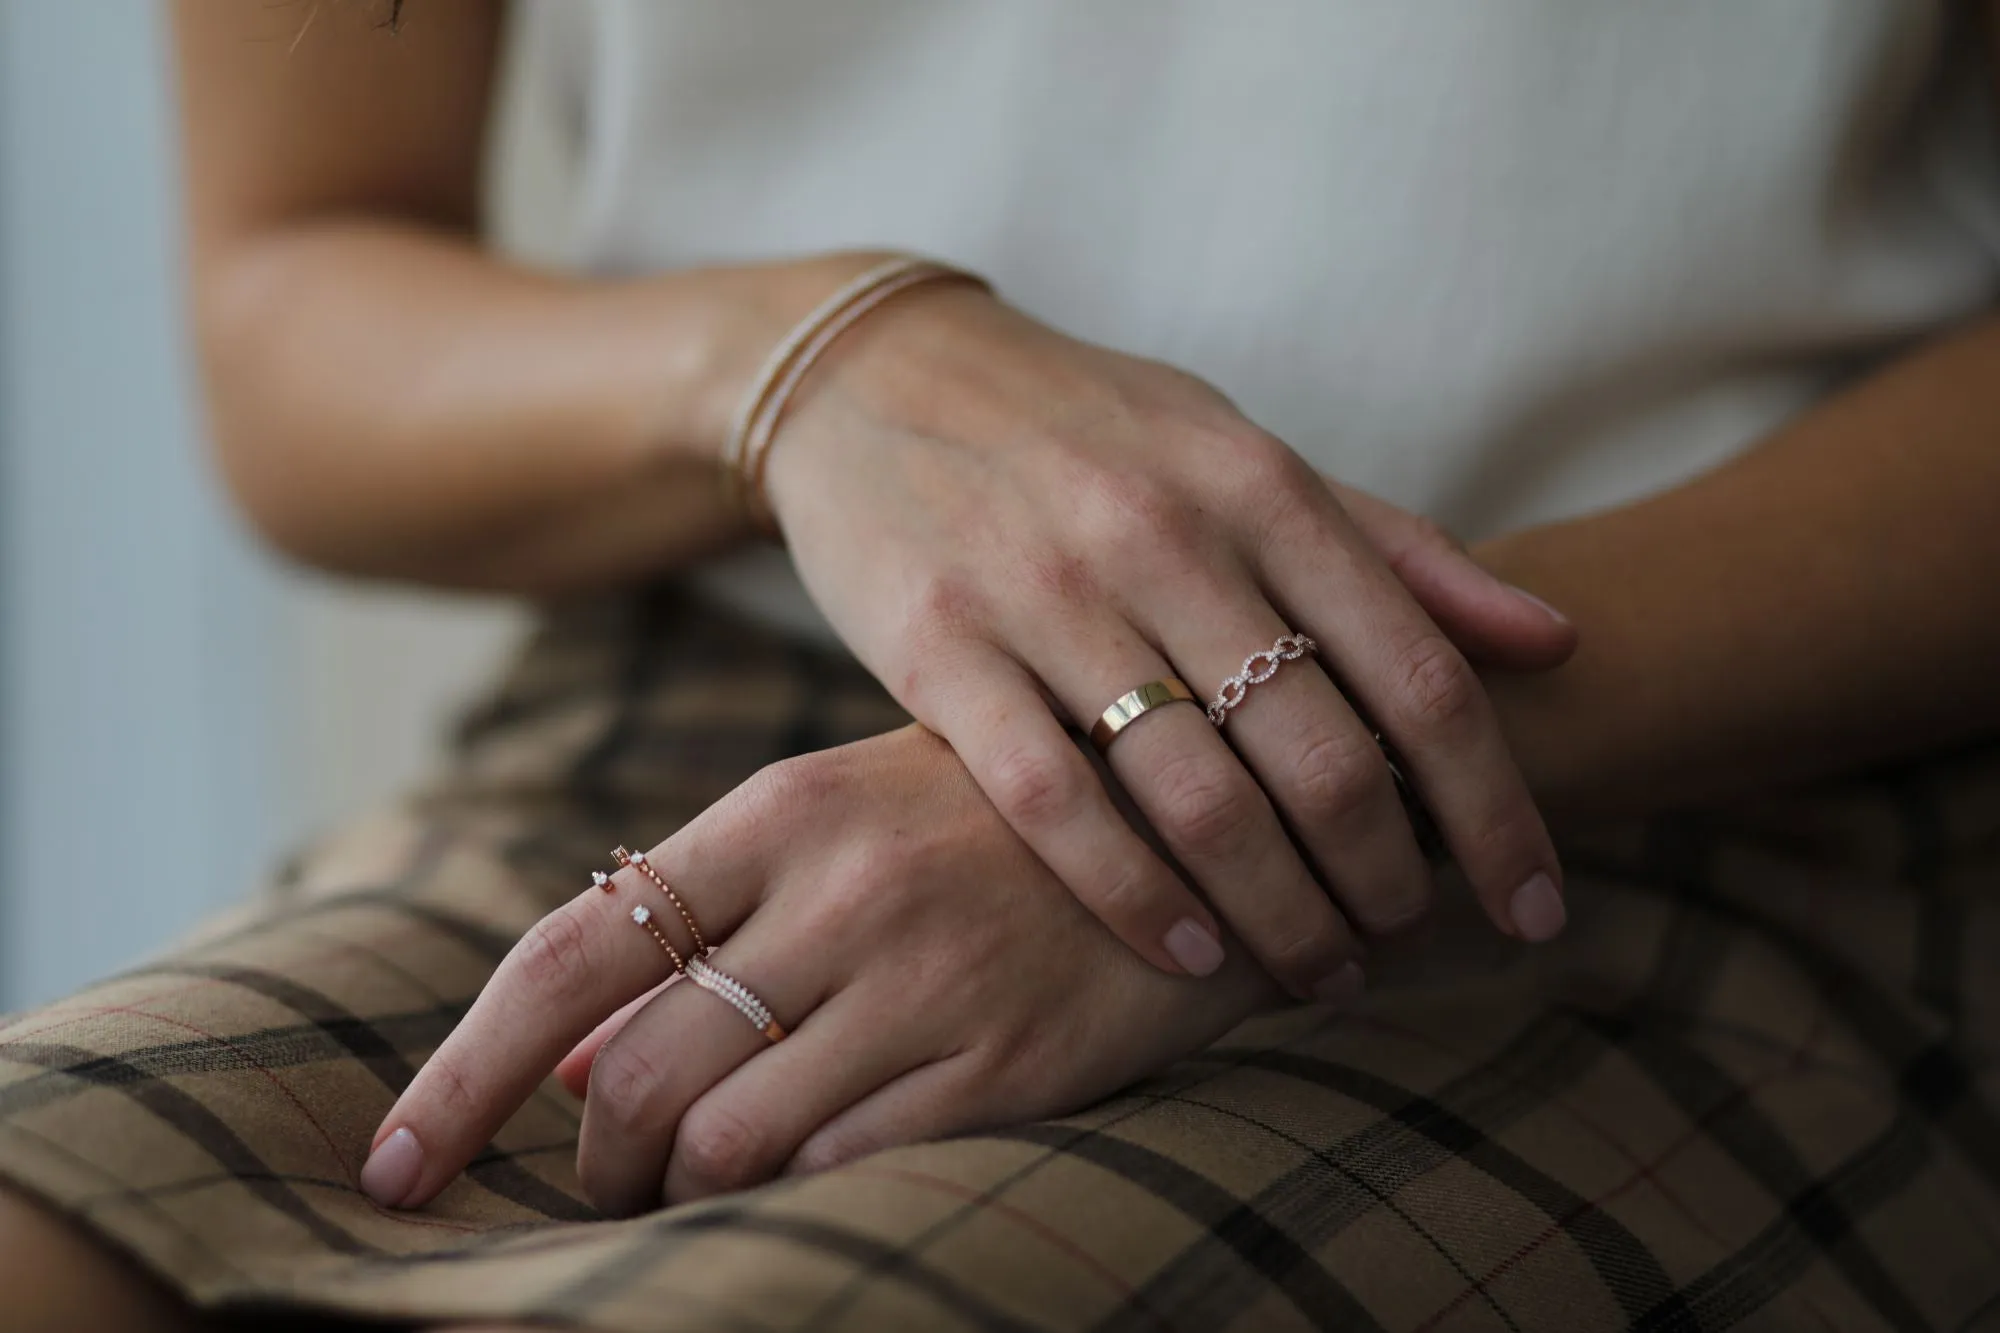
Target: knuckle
(556,958)
(1035,788)
(1061,577)
(829,1149)
(451,1095)
(1133,516)
(1125,893)
(623,1080)
(1392,909)
(1391,905)
(1422,538)
(1438,689)
(1340,775)
(944,606)
(721,1150)
(1304,958)
(777,792)
(1263,476)
(1204,810)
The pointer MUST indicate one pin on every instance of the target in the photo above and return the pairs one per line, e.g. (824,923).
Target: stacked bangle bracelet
(756,420)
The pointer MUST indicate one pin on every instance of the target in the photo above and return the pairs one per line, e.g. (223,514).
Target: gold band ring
(1131,707)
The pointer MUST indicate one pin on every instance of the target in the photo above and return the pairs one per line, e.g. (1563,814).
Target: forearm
(394,401)
(1823,601)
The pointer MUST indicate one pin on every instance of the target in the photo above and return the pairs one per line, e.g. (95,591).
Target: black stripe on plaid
(263,1049)
(590,1293)
(199,1125)
(1729,1118)
(477,936)
(1185,1076)
(1938,977)
(1813,1222)
(494,1170)
(1628,1270)
(1681,854)
(52,1148)
(1932,1074)
(1549,1054)
(1233,1226)
(195,1184)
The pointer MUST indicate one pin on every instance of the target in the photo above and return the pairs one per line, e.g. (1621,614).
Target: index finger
(575,966)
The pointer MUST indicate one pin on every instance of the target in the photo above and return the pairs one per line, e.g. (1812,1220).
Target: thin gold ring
(1131,707)
(643,915)
(625,858)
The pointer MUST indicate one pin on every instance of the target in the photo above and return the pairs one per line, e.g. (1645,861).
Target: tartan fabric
(1752,1087)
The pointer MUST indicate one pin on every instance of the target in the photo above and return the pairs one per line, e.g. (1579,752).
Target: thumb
(1491,621)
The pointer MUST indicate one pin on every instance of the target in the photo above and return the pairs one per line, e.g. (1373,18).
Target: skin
(1820,602)
(539,433)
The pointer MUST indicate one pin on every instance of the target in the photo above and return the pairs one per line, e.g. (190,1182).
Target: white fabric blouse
(1497,262)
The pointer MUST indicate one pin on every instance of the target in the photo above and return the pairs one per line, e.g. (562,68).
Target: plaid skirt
(1753,1085)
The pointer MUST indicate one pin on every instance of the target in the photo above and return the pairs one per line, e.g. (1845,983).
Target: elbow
(244,313)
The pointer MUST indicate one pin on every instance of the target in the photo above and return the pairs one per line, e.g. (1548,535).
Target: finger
(578,964)
(743,1131)
(1423,695)
(1491,621)
(933,1101)
(675,1049)
(1317,760)
(1052,797)
(1207,809)
(574,1071)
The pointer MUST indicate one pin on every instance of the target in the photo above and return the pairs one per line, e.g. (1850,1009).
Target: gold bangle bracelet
(756,421)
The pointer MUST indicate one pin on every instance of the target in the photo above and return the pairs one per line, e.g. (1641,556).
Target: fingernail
(1194,947)
(393,1168)
(1538,603)
(1341,986)
(1538,910)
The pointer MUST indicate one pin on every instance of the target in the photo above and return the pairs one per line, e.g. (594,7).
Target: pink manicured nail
(1538,910)
(393,1168)
(1193,947)
(1538,603)
(1341,986)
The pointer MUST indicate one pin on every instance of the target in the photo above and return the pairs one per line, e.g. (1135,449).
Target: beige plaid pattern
(1753,1087)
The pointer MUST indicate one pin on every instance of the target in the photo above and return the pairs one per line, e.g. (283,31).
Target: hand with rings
(1016,531)
(871,957)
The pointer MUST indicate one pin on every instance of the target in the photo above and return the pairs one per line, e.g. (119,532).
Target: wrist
(888,373)
(705,353)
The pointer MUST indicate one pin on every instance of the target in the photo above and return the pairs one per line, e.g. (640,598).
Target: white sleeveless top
(1498,263)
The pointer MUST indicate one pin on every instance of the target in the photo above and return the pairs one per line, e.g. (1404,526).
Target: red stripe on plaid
(1562,1102)
(1027,1221)
(77,1013)
(349,1172)
(1645,1172)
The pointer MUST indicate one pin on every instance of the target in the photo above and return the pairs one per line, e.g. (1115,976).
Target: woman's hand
(936,978)
(1012,529)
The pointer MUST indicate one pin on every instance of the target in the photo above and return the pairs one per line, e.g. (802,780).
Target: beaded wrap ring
(694,964)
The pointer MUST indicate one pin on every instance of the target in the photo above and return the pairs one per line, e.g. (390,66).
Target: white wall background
(173,710)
